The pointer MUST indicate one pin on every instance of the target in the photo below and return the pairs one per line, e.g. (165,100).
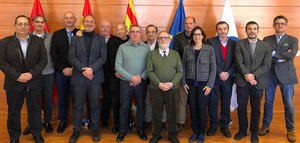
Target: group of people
(162,80)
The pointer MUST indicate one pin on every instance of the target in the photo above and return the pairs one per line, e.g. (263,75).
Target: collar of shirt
(252,42)
(138,44)
(280,37)
(26,40)
(186,33)
(161,51)
(152,46)
(40,35)
(224,43)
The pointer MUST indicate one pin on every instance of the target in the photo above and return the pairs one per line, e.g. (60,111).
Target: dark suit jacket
(59,49)
(259,64)
(284,71)
(13,64)
(79,59)
(228,65)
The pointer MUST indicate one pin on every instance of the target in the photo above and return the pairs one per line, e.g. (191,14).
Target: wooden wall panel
(161,13)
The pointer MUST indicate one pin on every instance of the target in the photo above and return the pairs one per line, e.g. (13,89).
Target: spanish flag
(37,10)
(130,17)
(86,11)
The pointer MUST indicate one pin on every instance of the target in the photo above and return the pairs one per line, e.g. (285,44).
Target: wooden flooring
(277,134)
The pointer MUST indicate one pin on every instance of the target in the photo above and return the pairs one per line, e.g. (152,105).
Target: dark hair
(134,25)
(221,22)
(252,22)
(192,42)
(280,17)
(151,25)
(16,19)
(190,17)
(41,16)
(87,16)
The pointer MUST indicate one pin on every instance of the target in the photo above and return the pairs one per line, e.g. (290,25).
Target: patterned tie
(69,36)
(165,55)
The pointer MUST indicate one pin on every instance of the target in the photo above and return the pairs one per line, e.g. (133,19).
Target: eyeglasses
(20,24)
(199,34)
(282,23)
(166,38)
(135,32)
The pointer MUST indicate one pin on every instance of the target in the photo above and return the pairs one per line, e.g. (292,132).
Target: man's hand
(117,75)
(249,77)
(67,71)
(24,77)
(88,72)
(207,90)
(253,82)
(186,88)
(223,76)
(79,33)
(135,80)
(169,84)
(163,87)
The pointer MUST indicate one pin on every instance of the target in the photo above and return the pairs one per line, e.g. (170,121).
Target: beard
(164,46)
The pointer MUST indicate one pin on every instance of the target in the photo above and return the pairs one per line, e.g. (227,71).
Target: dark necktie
(165,55)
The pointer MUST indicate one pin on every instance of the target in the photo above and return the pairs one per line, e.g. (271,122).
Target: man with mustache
(165,71)
(253,61)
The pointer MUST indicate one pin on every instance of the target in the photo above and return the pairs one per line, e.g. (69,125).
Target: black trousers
(115,99)
(126,92)
(106,101)
(15,101)
(243,94)
(80,92)
(164,99)
(198,108)
(225,89)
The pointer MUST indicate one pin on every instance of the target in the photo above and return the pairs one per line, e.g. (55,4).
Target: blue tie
(69,36)
(165,55)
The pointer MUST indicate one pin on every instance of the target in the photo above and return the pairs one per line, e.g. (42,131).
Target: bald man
(59,52)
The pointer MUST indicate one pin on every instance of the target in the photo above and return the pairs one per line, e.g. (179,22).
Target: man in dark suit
(87,54)
(284,49)
(253,61)
(224,49)
(59,52)
(22,59)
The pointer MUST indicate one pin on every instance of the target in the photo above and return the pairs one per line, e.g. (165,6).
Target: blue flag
(178,22)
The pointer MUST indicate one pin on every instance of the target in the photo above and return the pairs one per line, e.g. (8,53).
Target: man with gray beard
(164,70)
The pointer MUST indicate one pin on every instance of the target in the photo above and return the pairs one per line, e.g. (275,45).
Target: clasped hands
(135,80)
(88,73)
(24,77)
(250,78)
(165,86)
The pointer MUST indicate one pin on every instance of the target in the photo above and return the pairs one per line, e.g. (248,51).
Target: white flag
(232,34)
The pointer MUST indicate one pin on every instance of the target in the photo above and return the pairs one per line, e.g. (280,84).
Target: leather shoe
(38,139)
(61,127)
(226,132)
(142,135)
(211,131)
(26,130)
(291,136)
(96,135)
(115,129)
(14,141)
(240,135)
(48,127)
(120,137)
(154,139)
(254,138)
(74,137)
(263,131)
(173,139)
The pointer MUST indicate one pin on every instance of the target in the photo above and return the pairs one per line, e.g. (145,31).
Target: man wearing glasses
(22,59)
(131,65)
(282,73)
(165,71)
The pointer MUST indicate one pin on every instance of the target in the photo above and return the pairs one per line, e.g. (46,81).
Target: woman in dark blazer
(199,72)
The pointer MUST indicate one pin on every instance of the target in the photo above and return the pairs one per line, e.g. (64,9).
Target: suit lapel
(247,45)
(218,42)
(82,45)
(281,42)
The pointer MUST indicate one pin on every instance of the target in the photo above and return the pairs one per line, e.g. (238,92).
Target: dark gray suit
(259,65)
(224,87)
(284,75)
(79,57)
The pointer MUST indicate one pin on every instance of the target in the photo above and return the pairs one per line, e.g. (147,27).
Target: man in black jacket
(22,59)
(59,52)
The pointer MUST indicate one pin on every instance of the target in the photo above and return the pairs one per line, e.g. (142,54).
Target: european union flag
(178,22)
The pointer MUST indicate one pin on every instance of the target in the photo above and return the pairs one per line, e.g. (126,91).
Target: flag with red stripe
(130,17)
(37,10)
(86,11)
